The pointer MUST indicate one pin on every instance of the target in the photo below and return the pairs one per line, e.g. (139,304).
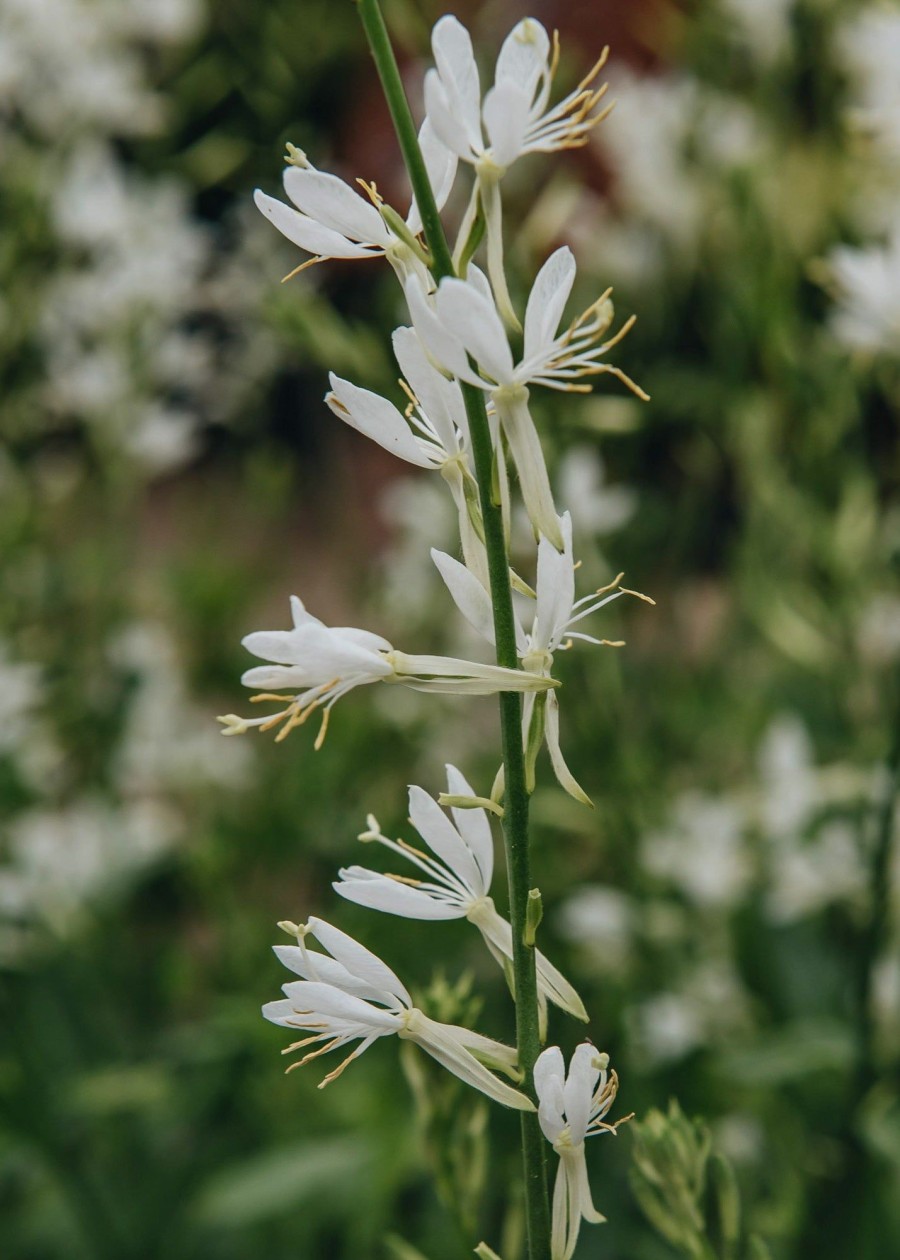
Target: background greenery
(169,475)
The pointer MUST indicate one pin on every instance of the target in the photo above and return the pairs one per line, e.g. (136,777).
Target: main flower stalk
(515,820)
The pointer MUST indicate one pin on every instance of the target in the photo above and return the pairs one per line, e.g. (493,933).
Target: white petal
(334,204)
(360,638)
(438,1041)
(281,646)
(525,447)
(312,964)
(470,318)
(455,62)
(378,892)
(444,348)
(358,960)
(549,1077)
(467,593)
(547,301)
(506,119)
(555,586)
(563,774)
(299,615)
(310,998)
(473,826)
(554,986)
(304,232)
(440,399)
(447,675)
(444,840)
(275,678)
(584,1202)
(376,418)
(440,163)
(524,56)
(578,1092)
(448,126)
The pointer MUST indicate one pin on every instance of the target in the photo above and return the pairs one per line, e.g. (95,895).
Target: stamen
(310,262)
(332,1076)
(611,586)
(405,879)
(639,595)
(371,191)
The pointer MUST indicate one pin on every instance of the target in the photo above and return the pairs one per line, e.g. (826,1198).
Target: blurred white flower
(764,25)
(870,48)
(878,631)
(703,852)
(57,861)
(600,922)
(21,692)
(457,882)
(789,795)
(571,1108)
(811,874)
(350,995)
(866,282)
(601,508)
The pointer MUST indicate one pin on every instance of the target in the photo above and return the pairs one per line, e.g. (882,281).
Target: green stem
(515,821)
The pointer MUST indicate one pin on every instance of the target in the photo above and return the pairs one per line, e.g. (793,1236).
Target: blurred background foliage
(169,475)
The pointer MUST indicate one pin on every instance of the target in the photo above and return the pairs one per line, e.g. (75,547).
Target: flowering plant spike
(465,414)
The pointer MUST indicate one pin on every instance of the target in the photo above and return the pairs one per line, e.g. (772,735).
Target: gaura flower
(556,612)
(456,882)
(461,321)
(515,117)
(334,221)
(433,432)
(322,663)
(350,995)
(570,1109)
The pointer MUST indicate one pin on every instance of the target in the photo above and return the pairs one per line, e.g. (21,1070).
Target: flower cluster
(460,369)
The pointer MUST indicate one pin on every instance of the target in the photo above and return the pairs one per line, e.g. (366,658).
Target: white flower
(515,117)
(867,286)
(350,995)
(457,882)
(463,321)
(334,221)
(433,433)
(556,612)
(322,663)
(870,48)
(571,1108)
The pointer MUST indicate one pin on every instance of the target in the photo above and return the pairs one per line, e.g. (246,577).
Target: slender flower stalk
(456,884)
(515,820)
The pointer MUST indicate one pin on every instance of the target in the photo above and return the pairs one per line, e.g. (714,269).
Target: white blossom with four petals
(556,612)
(572,1108)
(461,322)
(350,995)
(456,883)
(322,663)
(516,118)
